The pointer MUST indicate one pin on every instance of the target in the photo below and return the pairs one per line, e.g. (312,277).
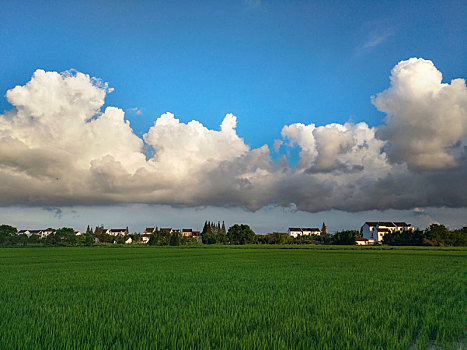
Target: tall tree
(66,236)
(175,239)
(241,234)
(6,231)
(347,237)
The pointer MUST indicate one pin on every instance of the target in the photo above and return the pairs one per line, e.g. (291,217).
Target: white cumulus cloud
(425,118)
(58,147)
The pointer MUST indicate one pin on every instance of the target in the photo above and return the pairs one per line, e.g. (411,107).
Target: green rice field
(232,298)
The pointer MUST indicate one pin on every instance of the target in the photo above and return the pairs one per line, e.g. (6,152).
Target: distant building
(197,235)
(377,229)
(149,230)
(187,232)
(40,233)
(364,241)
(145,238)
(303,231)
(48,231)
(117,232)
(29,233)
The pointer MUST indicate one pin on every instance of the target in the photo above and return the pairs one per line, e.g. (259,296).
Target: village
(370,233)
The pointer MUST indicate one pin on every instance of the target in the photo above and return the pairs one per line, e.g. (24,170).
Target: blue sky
(270,63)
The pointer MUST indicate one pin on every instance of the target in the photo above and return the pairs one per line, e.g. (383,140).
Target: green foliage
(439,235)
(230,297)
(65,236)
(214,233)
(405,238)
(49,240)
(6,231)
(175,239)
(241,234)
(435,235)
(34,239)
(347,237)
(119,240)
(275,238)
(160,237)
(88,239)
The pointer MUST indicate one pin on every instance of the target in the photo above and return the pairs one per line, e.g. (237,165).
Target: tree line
(212,234)
(238,234)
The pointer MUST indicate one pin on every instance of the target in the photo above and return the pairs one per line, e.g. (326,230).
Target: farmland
(226,297)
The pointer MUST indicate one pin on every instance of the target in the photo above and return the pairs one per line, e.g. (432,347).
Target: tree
(6,231)
(33,239)
(347,237)
(159,237)
(175,239)
(277,238)
(49,240)
(223,228)
(88,239)
(241,234)
(66,236)
(437,235)
(405,238)
(440,235)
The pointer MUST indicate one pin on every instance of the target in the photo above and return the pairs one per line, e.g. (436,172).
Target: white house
(187,232)
(305,231)
(40,233)
(117,232)
(377,229)
(145,238)
(364,241)
(308,231)
(46,232)
(128,240)
(29,233)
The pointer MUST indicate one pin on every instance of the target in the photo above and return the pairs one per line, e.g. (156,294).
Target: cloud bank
(57,147)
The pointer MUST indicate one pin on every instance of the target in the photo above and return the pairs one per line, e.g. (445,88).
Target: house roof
(361,239)
(385,223)
(187,230)
(371,223)
(310,229)
(401,223)
(30,231)
(150,229)
(295,229)
(118,230)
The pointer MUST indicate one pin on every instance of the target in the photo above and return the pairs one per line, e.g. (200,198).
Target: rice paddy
(225,297)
